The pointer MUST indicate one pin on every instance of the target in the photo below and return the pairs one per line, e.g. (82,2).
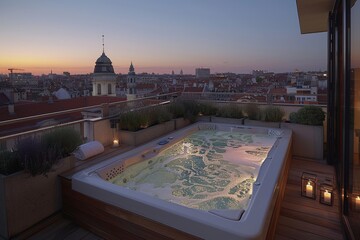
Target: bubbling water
(206,170)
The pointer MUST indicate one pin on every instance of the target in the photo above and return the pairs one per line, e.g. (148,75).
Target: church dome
(103,65)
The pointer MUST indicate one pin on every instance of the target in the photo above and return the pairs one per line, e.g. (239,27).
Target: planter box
(204,118)
(146,135)
(180,123)
(26,200)
(308,141)
(150,133)
(237,121)
(257,123)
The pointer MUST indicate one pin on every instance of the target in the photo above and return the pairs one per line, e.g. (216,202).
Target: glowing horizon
(226,36)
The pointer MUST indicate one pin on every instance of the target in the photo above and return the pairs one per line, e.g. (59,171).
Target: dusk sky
(157,35)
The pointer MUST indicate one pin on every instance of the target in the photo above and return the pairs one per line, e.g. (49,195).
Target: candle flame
(358,198)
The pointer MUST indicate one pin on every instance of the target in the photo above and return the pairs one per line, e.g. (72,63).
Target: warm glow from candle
(309,189)
(115,143)
(327,196)
(357,203)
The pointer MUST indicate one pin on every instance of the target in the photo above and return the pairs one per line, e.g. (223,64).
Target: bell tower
(104,77)
(131,83)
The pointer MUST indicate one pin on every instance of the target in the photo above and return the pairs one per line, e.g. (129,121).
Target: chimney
(11,108)
(105,110)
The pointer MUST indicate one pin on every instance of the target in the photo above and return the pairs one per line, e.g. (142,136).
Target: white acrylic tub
(254,222)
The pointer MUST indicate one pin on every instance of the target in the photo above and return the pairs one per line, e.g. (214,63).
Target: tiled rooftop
(26,109)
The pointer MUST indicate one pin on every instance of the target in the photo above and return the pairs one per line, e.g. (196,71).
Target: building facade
(131,83)
(104,77)
(202,72)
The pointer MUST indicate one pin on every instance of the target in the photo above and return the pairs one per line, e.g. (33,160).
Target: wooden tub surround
(104,215)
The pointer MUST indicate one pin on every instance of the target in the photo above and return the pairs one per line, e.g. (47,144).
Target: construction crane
(11,72)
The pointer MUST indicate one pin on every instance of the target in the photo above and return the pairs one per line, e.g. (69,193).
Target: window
(344,105)
(354,128)
(99,89)
(109,88)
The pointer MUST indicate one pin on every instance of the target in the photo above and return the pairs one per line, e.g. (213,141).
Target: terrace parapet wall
(26,200)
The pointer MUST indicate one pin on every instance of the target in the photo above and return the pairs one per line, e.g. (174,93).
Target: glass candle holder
(355,200)
(308,185)
(115,142)
(326,194)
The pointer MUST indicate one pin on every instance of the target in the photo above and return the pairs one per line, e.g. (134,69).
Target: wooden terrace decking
(300,217)
(304,218)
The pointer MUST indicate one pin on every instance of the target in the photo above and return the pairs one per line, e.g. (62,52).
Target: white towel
(88,150)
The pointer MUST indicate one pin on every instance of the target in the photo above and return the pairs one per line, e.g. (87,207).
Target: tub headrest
(88,150)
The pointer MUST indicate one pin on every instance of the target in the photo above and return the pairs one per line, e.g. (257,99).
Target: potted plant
(252,111)
(273,115)
(207,111)
(308,131)
(29,184)
(229,113)
(270,116)
(143,125)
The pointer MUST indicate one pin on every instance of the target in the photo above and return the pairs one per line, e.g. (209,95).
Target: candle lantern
(308,185)
(326,194)
(115,142)
(356,202)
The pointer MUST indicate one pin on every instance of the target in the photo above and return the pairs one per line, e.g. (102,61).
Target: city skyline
(157,36)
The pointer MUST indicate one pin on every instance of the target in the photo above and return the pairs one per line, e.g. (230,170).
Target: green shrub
(177,109)
(66,140)
(293,117)
(207,109)
(132,121)
(163,115)
(252,111)
(273,114)
(308,115)
(9,163)
(230,111)
(35,157)
(192,110)
(148,117)
(143,118)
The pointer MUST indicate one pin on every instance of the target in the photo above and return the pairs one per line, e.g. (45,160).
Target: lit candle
(116,143)
(357,203)
(327,197)
(309,190)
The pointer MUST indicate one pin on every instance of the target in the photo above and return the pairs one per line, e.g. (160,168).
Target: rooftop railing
(107,111)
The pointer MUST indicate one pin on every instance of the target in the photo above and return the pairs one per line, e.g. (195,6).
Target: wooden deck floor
(57,227)
(304,218)
(300,217)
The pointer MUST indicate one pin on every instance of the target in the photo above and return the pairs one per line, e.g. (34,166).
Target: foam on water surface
(206,170)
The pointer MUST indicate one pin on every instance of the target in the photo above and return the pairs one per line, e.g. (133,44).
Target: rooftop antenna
(103,43)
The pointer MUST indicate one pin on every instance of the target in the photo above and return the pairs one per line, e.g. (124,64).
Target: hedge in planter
(192,110)
(230,111)
(37,155)
(252,111)
(273,114)
(177,109)
(207,109)
(65,139)
(308,115)
(9,163)
(308,132)
(141,119)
